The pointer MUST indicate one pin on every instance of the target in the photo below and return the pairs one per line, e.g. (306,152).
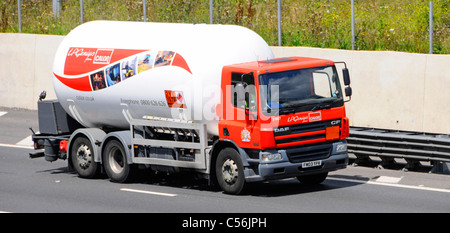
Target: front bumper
(285,168)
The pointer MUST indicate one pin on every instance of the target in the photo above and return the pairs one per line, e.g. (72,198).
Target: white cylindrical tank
(105,72)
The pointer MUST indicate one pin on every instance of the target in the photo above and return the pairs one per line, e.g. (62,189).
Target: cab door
(240,118)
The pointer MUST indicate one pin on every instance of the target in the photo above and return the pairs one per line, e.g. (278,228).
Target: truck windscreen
(300,90)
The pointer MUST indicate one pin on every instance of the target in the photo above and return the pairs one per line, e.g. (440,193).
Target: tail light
(63,146)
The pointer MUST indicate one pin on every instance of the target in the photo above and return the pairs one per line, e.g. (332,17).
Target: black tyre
(116,164)
(313,179)
(230,171)
(82,158)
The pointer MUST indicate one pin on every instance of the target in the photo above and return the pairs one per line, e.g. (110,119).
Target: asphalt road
(36,186)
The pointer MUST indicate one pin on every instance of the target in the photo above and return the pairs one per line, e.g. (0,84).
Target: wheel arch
(94,135)
(220,145)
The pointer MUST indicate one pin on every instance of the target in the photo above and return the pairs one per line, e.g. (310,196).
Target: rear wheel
(230,171)
(115,162)
(82,157)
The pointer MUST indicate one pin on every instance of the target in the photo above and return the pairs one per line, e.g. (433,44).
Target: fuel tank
(106,72)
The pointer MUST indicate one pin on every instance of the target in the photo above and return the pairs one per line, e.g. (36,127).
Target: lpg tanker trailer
(191,97)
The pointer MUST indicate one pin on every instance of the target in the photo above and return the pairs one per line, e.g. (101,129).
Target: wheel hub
(229,171)
(116,160)
(84,156)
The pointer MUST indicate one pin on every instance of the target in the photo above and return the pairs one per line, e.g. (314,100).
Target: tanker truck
(208,99)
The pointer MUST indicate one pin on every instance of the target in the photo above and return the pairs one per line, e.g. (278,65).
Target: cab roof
(286,63)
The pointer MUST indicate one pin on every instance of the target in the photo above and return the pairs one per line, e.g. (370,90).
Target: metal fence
(275,34)
(388,145)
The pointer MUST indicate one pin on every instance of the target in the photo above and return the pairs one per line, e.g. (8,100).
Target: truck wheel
(230,171)
(312,179)
(82,157)
(115,162)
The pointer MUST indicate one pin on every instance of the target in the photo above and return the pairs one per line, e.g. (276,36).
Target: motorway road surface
(34,185)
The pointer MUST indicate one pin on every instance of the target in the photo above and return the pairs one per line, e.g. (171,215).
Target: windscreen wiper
(326,105)
(320,107)
(294,107)
(288,110)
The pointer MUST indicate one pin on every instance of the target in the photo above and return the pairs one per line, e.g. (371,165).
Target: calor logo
(103,56)
(315,116)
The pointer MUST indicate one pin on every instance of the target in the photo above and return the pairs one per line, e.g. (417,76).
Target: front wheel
(115,162)
(230,171)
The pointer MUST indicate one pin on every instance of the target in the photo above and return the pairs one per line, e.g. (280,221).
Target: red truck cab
(286,118)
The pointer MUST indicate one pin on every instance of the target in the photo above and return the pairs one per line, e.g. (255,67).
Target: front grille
(305,142)
(316,135)
(303,134)
(301,128)
(309,153)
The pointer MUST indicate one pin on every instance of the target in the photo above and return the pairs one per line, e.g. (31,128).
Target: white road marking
(26,142)
(392,185)
(389,179)
(2,113)
(16,146)
(148,192)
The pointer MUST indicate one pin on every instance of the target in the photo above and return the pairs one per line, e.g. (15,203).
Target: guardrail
(388,145)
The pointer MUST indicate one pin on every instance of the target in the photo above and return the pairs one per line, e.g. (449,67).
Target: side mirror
(346,76)
(348,91)
(240,92)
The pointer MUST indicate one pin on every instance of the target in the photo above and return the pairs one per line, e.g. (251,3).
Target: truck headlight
(271,157)
(341,147)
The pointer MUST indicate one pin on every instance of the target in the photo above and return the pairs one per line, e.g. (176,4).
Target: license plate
(312,164)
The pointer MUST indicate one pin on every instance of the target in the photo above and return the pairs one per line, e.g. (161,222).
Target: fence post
(211,18)
(56,5)
(279,22)
(144,5)
(431,28)
(353,24)
(19,6)
(81,12)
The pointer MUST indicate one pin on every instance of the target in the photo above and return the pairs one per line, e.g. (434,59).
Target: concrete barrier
(391,90)
(26,68)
